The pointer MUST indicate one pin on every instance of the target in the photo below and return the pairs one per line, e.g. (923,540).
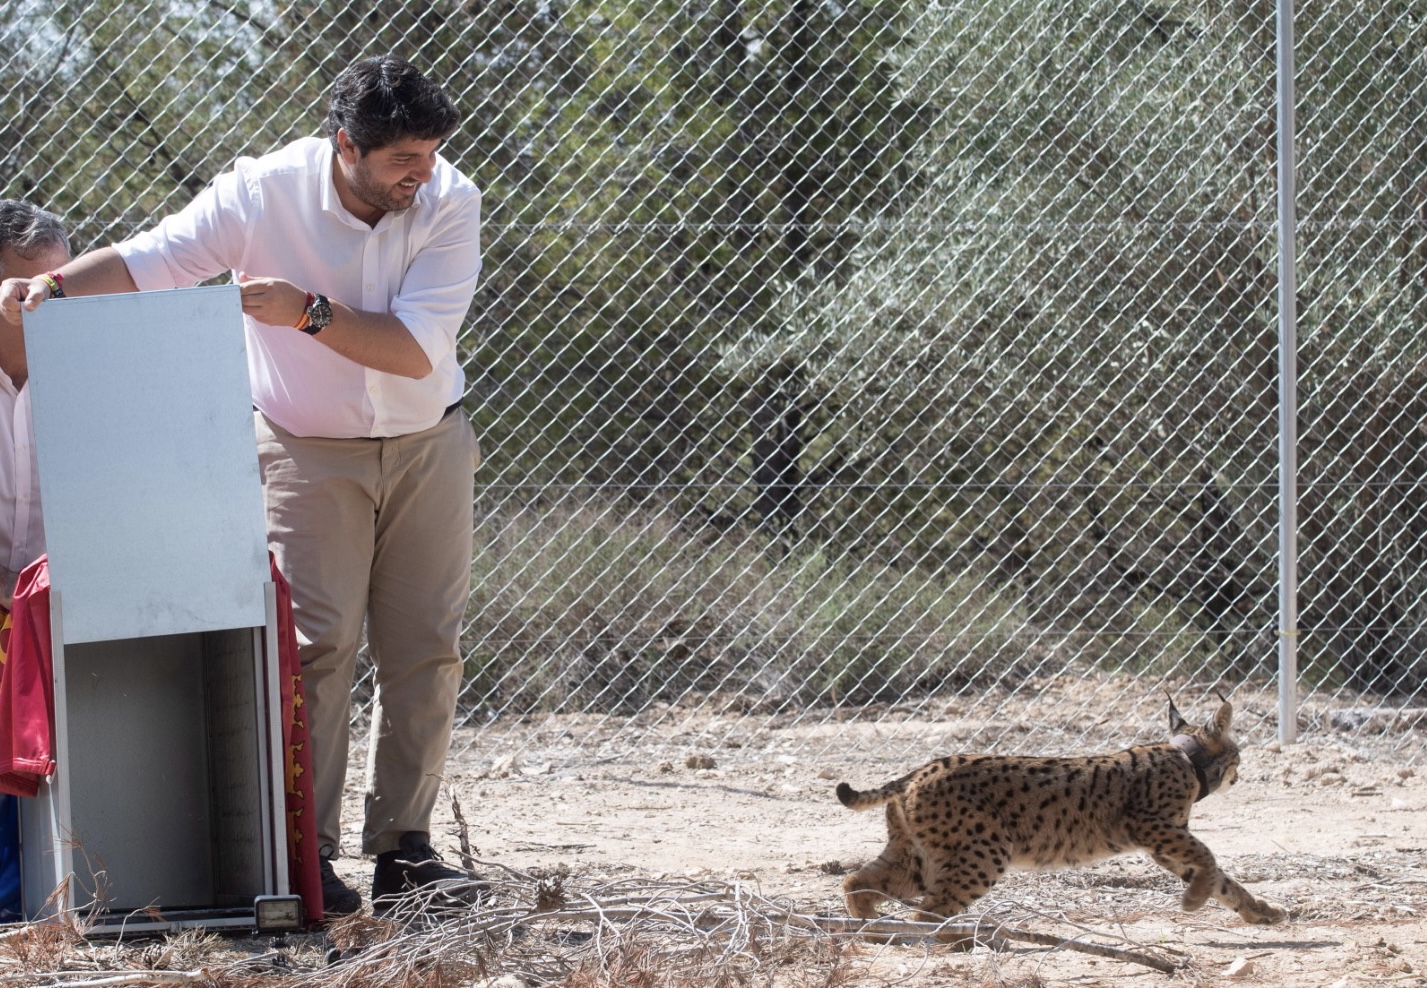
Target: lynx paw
(1259,911)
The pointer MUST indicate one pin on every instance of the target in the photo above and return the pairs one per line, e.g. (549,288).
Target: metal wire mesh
(866,361)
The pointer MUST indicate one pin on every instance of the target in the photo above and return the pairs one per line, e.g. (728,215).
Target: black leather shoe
(415,867)
(338,898)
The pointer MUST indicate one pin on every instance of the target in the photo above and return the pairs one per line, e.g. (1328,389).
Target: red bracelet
(54,281)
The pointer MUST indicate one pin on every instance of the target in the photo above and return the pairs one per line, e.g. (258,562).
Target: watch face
(320,312)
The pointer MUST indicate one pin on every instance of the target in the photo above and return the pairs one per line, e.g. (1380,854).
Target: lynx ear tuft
(1177,723)
(1223,717)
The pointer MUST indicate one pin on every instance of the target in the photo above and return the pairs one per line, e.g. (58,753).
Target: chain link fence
(870,374)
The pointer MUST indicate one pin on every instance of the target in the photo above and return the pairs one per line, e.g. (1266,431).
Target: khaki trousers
(376,532)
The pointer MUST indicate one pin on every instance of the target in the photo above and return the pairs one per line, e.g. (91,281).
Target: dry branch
(679,934)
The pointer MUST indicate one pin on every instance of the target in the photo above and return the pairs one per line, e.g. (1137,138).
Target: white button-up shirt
(278,216)
(22,527)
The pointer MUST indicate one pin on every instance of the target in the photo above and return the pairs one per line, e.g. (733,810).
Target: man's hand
(272,301)
(20,295)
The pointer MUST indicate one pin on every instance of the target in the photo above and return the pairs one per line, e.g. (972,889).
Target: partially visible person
(32,242)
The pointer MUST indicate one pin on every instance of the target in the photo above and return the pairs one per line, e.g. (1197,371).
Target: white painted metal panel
(148,462)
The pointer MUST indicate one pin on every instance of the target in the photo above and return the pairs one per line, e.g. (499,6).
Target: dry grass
(535,931)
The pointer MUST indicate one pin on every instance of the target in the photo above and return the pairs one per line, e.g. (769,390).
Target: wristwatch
(319,314)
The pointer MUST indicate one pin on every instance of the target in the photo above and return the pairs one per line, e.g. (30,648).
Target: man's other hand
(20,295)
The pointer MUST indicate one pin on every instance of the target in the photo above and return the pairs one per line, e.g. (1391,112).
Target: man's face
(387,178)
(12,265)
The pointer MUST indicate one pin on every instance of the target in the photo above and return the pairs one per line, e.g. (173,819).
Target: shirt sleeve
(200,241)
(441,280)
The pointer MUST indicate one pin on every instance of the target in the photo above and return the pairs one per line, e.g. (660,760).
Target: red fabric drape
(302,864)
(26,687)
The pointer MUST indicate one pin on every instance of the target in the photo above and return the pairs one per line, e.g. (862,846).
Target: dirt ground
(1334,828)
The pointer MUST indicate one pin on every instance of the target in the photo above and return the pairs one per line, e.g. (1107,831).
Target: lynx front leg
(1248,906)
(1183,854)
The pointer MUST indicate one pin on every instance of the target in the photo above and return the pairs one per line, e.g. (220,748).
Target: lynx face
(956,825)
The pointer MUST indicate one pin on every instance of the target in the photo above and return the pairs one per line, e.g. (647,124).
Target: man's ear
(346,147)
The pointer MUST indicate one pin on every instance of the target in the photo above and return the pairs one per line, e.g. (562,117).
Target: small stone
(700,761)
(1241,967)
(828,774)
(505,766)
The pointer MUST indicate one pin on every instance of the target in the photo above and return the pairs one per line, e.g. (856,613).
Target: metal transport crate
(166,806)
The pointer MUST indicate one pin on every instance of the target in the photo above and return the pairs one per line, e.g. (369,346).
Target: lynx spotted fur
(956,825)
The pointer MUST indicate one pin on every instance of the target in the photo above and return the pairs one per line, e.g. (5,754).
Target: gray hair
(27,229)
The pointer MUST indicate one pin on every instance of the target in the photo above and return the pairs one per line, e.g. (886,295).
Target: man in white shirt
(32,241)
(357,258)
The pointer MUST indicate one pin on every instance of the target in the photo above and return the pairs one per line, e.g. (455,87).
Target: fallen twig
(697,932)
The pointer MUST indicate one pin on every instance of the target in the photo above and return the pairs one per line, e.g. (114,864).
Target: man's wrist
(306,319)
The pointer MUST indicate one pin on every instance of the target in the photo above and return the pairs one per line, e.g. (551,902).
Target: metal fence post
(1288,388)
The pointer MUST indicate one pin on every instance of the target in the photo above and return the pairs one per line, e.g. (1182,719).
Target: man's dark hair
(381,100)
(27,229)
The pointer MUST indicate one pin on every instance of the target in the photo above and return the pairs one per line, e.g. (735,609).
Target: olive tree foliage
(117,113)
(969,288)
(1057,363)
(708,150)
(1363,302)
(1060,362)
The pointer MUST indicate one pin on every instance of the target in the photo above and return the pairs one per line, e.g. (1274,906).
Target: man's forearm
(99,272)
(378,340)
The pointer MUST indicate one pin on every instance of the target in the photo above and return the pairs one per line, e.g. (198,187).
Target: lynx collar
(1207,769)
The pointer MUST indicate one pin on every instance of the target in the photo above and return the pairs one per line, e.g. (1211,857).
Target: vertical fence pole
(1288,387)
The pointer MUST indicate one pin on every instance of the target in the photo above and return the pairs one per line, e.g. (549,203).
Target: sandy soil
(1334,828)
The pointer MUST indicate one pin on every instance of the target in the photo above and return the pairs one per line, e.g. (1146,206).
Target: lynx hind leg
(1184,855)
(868,887)
(957,877)
(895,874)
